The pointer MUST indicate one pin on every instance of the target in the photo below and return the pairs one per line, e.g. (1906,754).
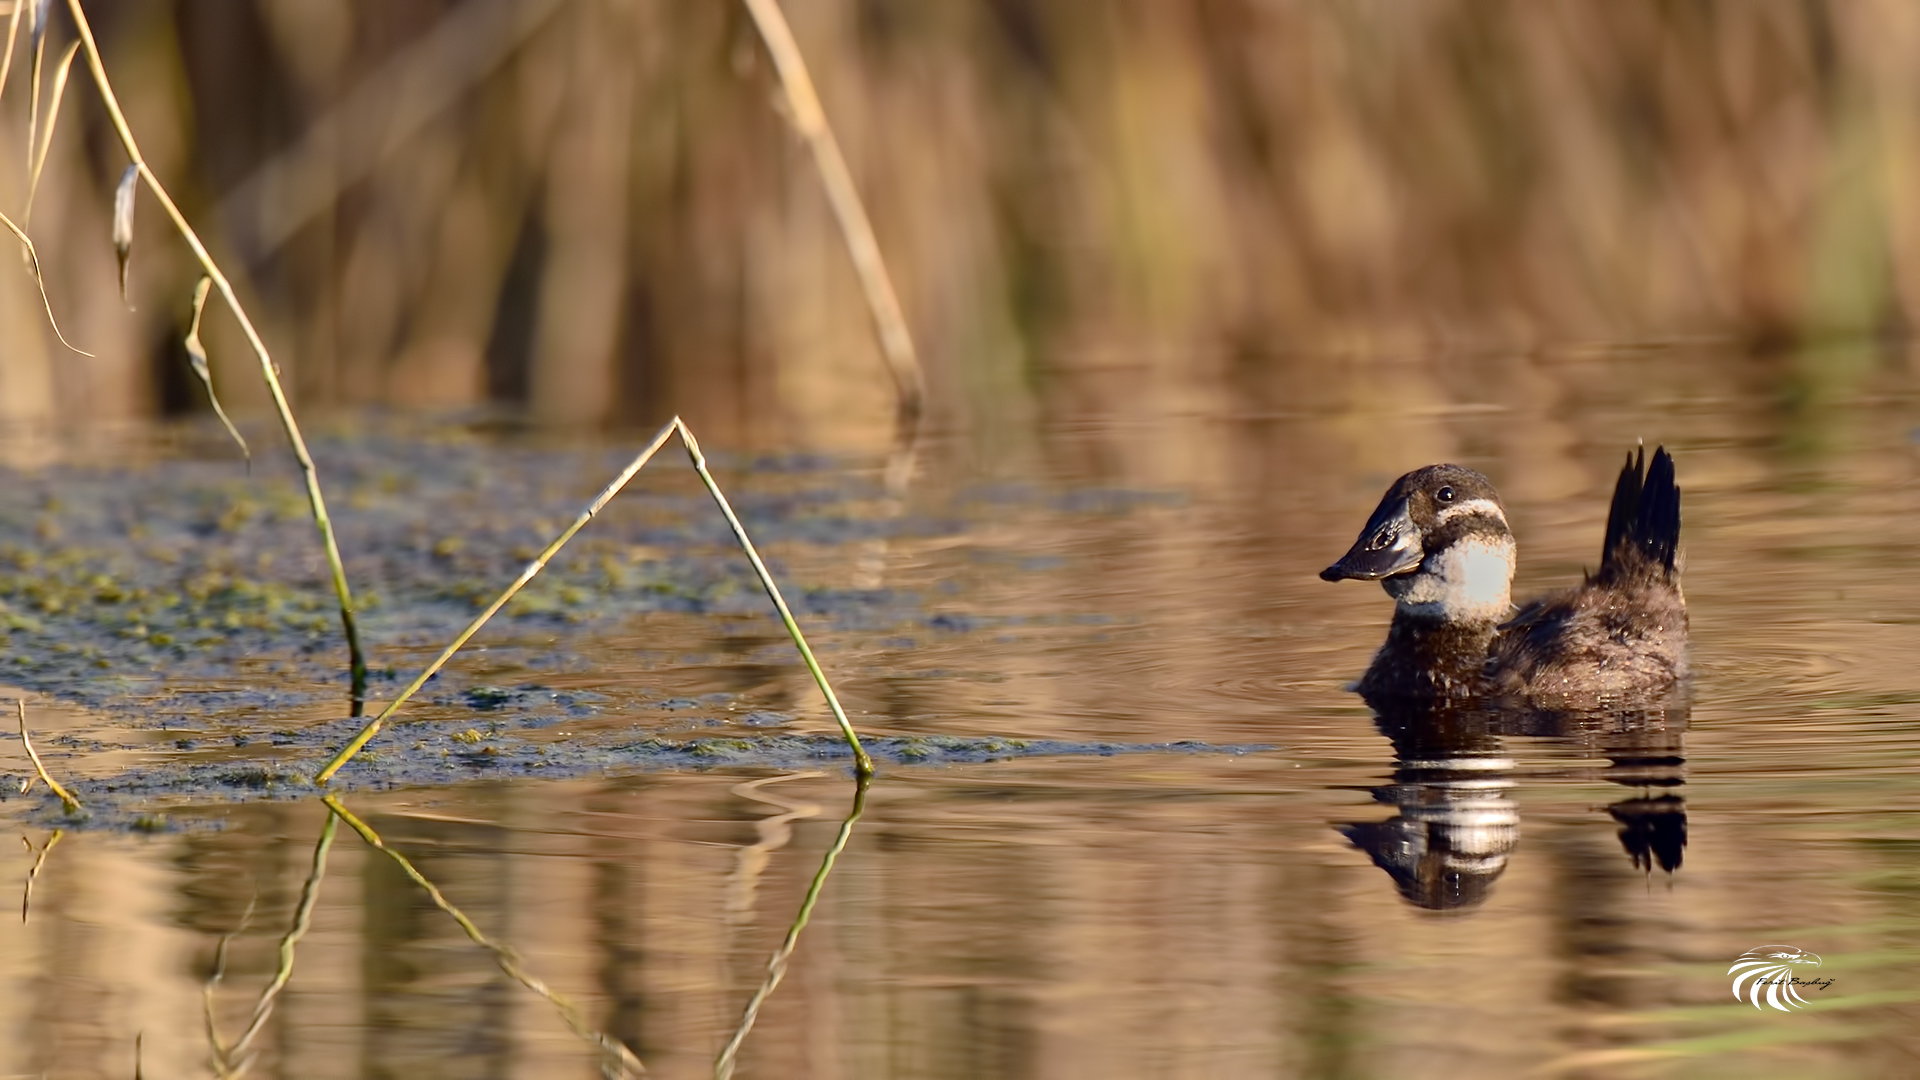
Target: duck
(1441,546)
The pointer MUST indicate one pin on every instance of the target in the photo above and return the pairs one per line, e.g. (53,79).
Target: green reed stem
(861,762)
(777,965)
(270,371)
(538,564)
(503,955)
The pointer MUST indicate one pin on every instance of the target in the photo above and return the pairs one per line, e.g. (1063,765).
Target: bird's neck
(1467,583)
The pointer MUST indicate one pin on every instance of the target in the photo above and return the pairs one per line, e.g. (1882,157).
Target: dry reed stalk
(38,151)
(856,229)
(268,370)
(36,160)
(810,119)
(13,36)
(777,964)
(503,955)
(66,797)
(37,51)
(862,763)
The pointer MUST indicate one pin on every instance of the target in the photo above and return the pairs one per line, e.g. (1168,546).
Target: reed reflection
(1457,824)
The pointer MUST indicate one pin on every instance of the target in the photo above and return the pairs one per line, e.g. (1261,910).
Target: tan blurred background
(593,209)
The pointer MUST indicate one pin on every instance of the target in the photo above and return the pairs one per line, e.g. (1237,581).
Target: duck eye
(1445,494)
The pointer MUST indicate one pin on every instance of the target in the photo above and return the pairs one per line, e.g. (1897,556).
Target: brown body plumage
(1440,545)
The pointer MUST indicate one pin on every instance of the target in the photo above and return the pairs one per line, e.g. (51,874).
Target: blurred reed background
(592,209)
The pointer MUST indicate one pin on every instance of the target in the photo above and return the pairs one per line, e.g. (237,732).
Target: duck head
(1440,546)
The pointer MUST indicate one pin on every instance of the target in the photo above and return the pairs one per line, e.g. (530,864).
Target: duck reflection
(1457,823)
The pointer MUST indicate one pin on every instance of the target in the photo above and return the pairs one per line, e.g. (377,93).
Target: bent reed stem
(533,568)
(862,763)
(268,369)
(67,799)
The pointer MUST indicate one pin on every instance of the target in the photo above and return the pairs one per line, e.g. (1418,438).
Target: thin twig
(268,370)
(33,261)
(803,102)
(503,955)
(862,763)
(66,797)
(777,965)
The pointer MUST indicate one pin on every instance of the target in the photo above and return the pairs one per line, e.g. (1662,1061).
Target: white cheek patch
(1483,507)
(1480,574)
(1470,581)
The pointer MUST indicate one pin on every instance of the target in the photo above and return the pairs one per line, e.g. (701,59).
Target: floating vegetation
(185,570)
(862,764)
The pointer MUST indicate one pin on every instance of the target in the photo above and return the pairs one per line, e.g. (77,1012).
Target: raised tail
(1643,527)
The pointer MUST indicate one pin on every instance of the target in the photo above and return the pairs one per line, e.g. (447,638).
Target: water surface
(1302,889)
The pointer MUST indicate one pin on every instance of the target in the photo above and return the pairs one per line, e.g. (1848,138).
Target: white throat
(1469,581)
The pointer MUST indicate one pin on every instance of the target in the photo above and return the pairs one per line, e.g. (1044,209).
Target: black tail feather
(1643,526)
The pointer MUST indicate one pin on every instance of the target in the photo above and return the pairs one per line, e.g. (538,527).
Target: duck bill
(1389,545)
